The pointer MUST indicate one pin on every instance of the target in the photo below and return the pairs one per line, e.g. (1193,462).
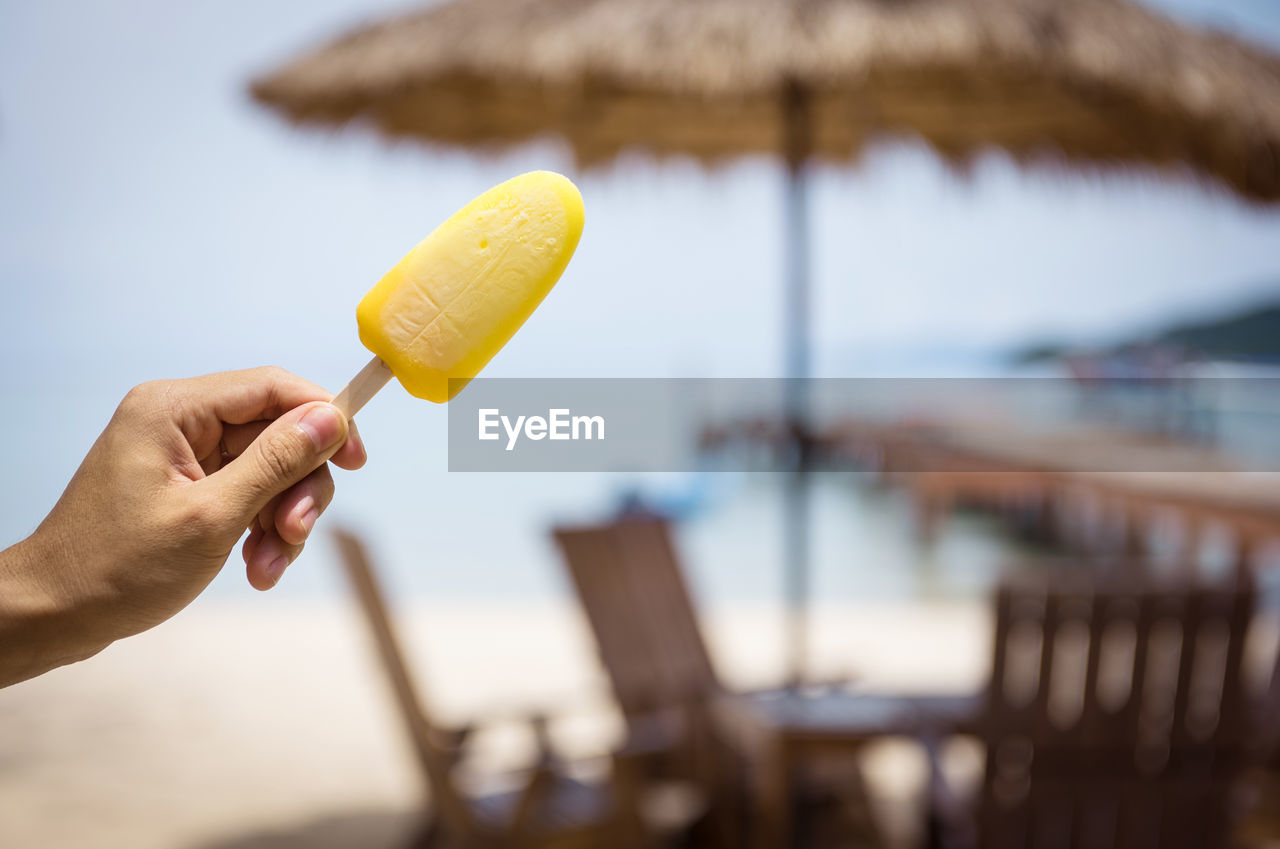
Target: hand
(182,469)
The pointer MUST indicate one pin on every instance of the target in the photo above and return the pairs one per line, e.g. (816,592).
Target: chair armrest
(629,784)
(536,719)
(545,757)
(454,740)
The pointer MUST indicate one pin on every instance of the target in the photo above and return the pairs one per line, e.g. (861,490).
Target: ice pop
(438,317)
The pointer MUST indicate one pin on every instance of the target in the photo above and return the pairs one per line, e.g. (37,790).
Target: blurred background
(157,221)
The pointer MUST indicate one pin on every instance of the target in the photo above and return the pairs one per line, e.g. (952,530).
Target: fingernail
(323,426)
(355,433)
(309,514)
(276,568)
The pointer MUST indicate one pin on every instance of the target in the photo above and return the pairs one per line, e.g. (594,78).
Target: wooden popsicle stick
(362,387)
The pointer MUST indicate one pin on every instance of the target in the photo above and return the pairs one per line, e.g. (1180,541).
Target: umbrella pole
(796,125)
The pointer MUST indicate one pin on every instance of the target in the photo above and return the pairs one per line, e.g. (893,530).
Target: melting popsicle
(438,317)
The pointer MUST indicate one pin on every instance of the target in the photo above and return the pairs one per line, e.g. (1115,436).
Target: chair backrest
(434,759)
(1116,713)
(635,597)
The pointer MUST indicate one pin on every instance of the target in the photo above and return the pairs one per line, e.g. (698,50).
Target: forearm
(39,630)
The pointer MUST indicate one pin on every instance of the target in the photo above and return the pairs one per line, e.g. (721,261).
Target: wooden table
(780,732)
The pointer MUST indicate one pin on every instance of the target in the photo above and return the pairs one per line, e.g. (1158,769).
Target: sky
(154,222)
(138,182)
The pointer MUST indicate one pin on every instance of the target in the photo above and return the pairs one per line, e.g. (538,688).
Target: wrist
(39,626)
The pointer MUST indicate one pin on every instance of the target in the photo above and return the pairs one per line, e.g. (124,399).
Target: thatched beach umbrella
(1092,83)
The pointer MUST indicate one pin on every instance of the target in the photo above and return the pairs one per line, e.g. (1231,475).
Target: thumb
(292,447)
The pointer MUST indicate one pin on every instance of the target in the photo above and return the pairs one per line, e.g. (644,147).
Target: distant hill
(1252,334)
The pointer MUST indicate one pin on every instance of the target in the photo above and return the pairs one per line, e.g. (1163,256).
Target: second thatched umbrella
(1094,83)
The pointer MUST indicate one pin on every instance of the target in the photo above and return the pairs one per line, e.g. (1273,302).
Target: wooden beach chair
(647,636)
(549,810)
(1116,716)
(631,587)
(629,581)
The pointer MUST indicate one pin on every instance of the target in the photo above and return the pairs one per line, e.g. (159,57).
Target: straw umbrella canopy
(1089,84)
(1097,82)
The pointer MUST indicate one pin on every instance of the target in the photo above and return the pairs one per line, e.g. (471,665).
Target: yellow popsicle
(438,317)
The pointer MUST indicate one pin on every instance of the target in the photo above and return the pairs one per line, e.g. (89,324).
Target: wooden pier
(1104,491)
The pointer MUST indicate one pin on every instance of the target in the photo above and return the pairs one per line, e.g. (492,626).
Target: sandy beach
(248,724)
